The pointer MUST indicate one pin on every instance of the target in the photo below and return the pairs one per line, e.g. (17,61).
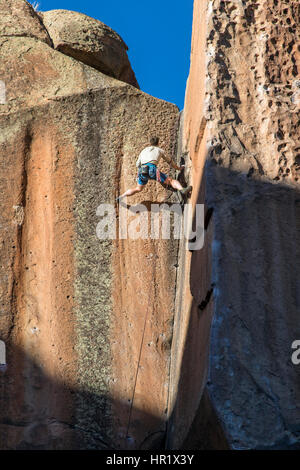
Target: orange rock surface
(146,343)
(241,136)
(87,322)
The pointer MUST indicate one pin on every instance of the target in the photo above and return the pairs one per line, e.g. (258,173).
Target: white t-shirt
(151,154)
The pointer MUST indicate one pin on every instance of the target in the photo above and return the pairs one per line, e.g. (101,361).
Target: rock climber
(147,169)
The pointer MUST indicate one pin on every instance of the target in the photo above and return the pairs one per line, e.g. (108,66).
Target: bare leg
(174,183)
(131,192)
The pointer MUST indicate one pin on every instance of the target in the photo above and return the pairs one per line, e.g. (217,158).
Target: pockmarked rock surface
(18,18)
(85,367)
(91,42)
(241,132)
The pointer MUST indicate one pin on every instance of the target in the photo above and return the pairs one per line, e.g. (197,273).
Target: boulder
(33,72)
(91,42)
(18,18)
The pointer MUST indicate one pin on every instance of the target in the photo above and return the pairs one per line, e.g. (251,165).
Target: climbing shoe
(186,191)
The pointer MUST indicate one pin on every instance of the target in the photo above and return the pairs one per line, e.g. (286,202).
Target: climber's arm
(171,162)
(175,166)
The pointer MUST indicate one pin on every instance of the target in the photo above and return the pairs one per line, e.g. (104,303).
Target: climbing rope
(139,358)
(136,375)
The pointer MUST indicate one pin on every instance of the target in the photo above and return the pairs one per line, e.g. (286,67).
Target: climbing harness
(145,170)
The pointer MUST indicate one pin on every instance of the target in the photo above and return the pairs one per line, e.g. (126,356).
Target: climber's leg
(174,183)
(132,191)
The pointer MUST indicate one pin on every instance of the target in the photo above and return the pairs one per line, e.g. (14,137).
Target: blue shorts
(152,175)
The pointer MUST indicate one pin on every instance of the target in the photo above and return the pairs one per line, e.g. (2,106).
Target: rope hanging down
(136,375)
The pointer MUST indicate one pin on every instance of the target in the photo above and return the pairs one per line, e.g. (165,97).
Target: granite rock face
(18,18)
(35,73)
(241,132)
(194,302)
(87,331)
(119,343)
(91,42)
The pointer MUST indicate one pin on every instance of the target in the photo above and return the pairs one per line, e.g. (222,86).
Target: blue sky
(157,32)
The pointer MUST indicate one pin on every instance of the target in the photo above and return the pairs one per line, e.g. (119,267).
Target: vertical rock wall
(253,185)
(192,320)
(84,368)
(110,343)
(244,83)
